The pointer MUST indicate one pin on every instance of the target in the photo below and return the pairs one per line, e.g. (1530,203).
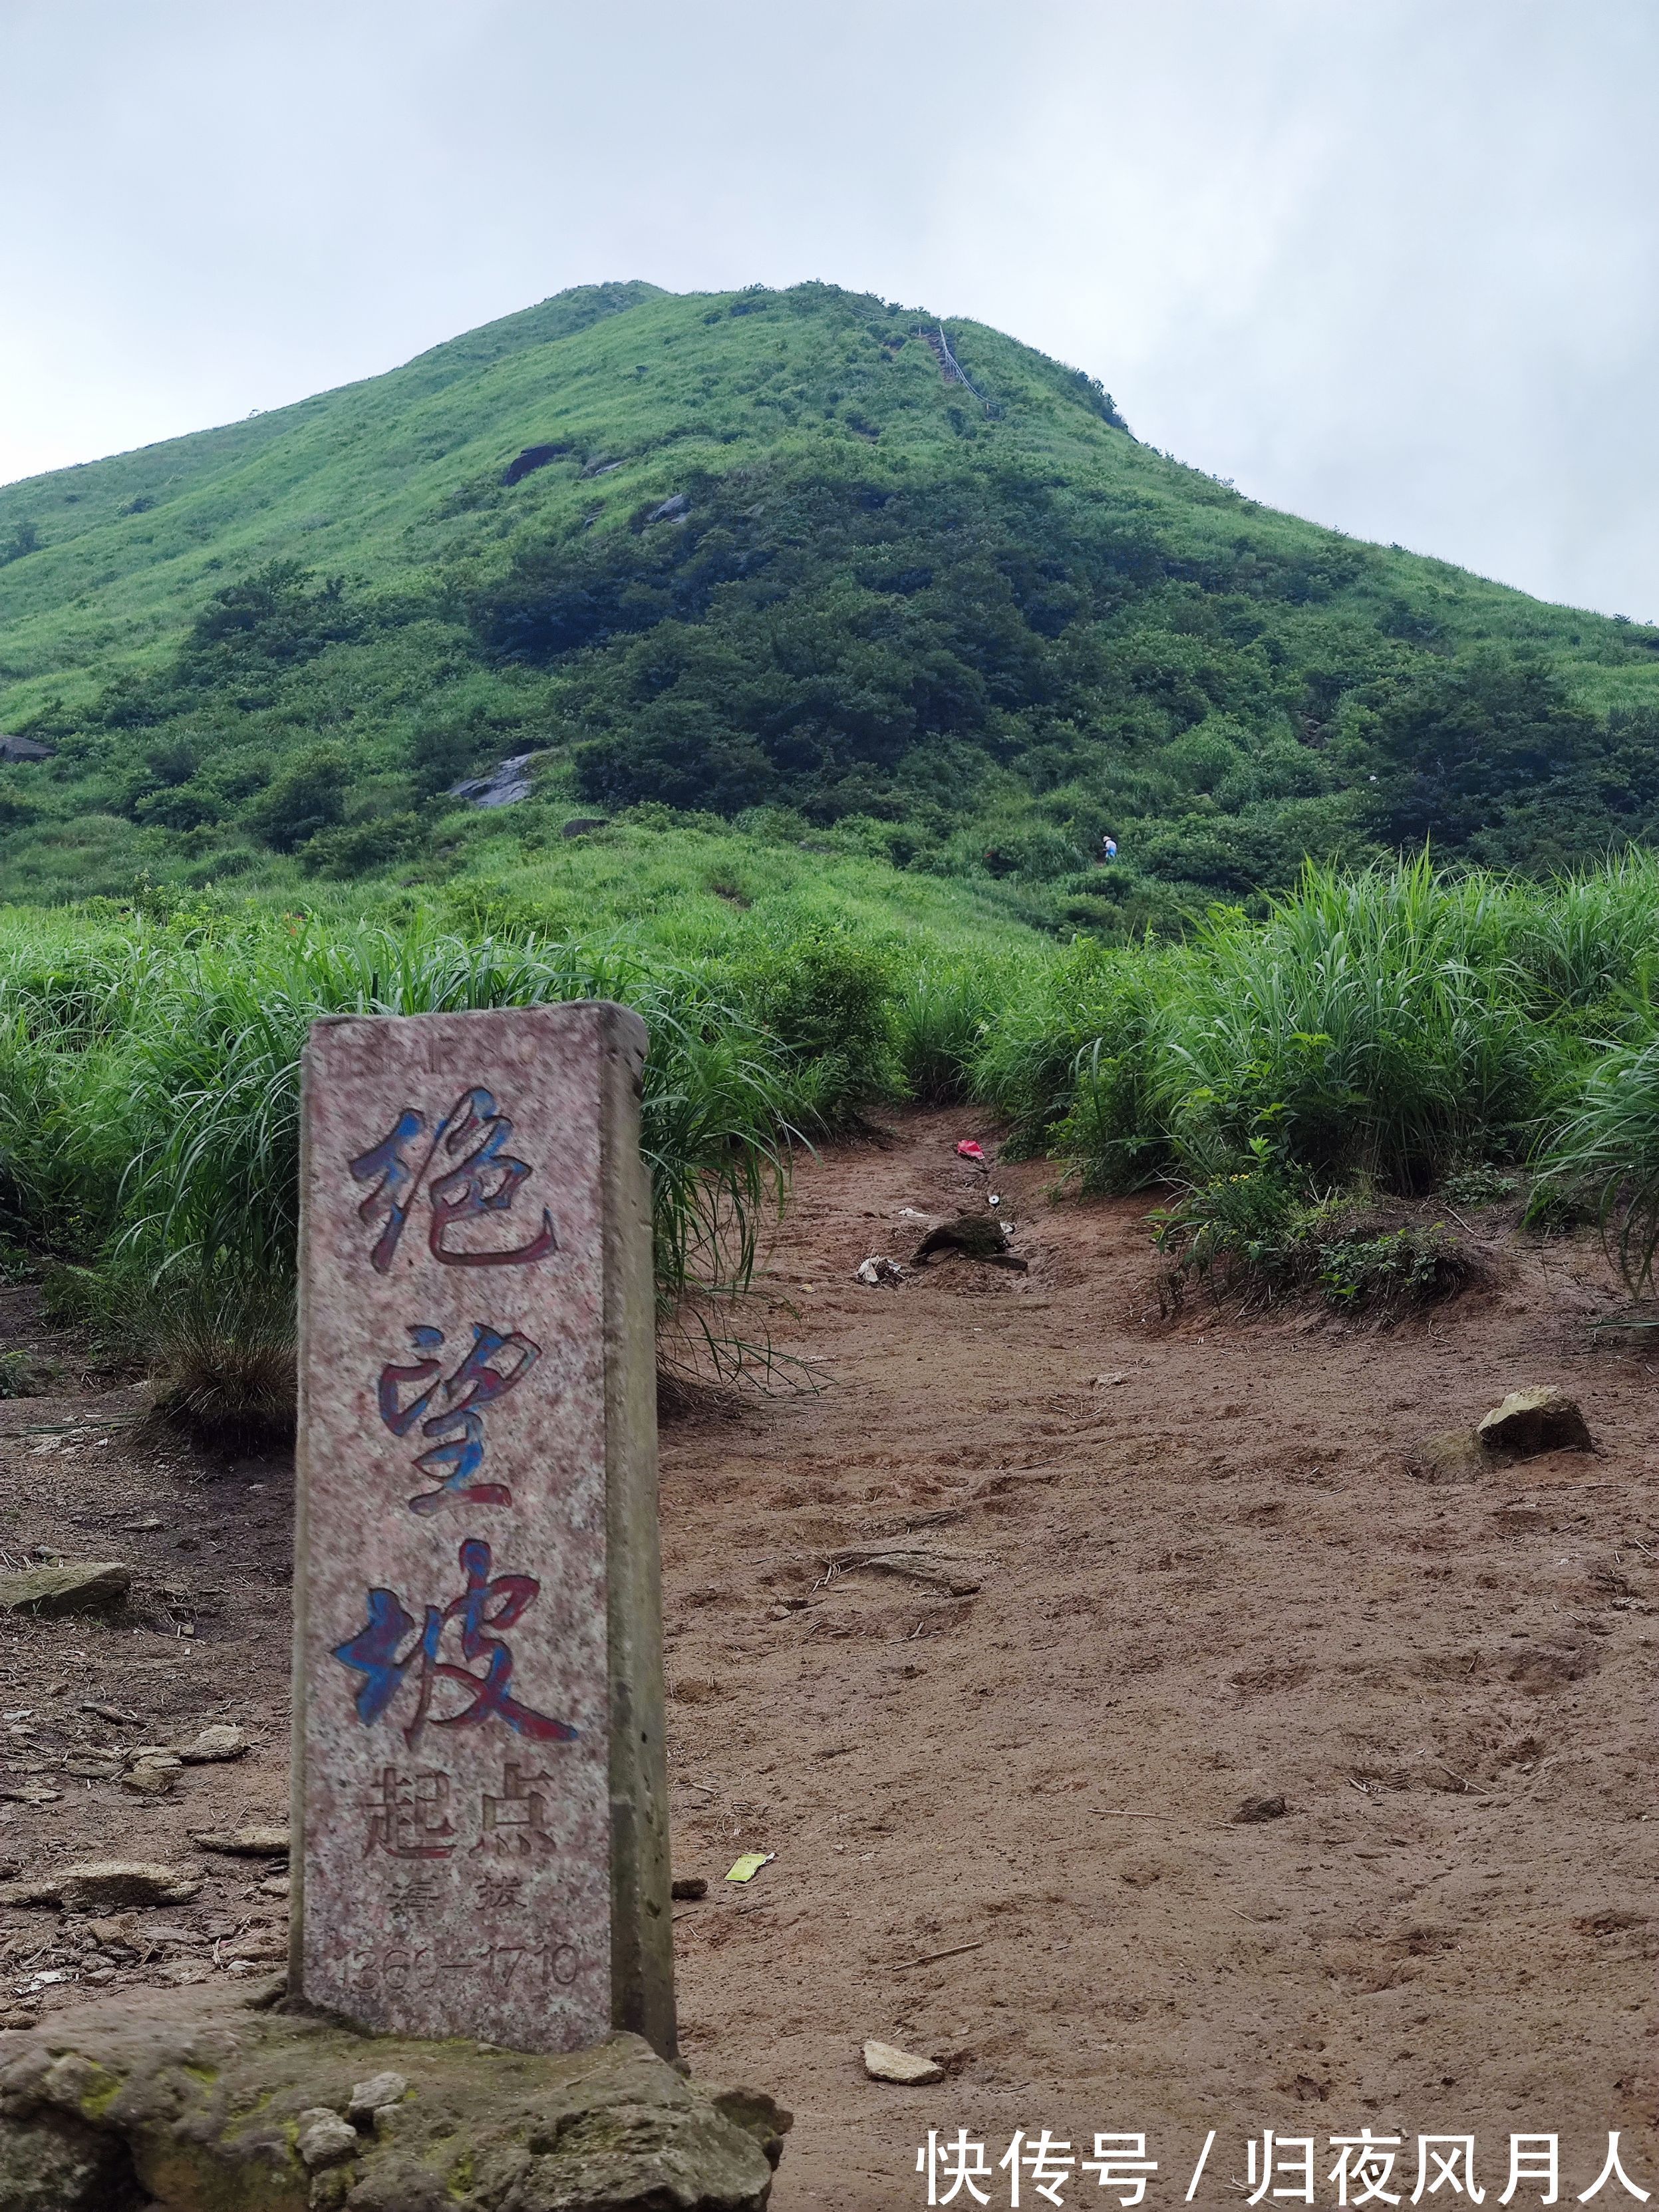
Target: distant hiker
(1108,848)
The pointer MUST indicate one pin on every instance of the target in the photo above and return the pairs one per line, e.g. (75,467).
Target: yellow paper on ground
(746,1868)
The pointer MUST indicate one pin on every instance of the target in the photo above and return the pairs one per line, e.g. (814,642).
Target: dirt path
(1209,1580)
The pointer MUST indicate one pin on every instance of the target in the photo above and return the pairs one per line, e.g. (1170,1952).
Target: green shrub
(1409,1266)
(149,1102)
(1067,1061)
(1372,1024)
(1253,1221)
(828,998)
(1259,1230)
(308,796)
(1480,1185)
(1609,1141)
(20,1375)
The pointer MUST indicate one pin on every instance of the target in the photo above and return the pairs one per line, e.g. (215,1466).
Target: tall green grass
(1377,1030)
(150,1087)
(1382,1027)
(149,1122)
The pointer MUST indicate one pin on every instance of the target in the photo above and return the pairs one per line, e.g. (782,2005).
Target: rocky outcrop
(504,786)
(1454,1455)
(192,2100)
(1526,1424)
(981,1236)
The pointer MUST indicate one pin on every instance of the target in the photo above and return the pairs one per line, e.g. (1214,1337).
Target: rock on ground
(504,786)
(219,1740)
(98,1587)
(243,1842)
(1454,1455)
(106,1885)
(885,2061)
(1532,1421)
(191,2100)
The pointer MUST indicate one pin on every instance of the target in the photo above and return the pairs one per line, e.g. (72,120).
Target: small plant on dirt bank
(1410,1266)
(223,1359)
(1480,1185)
(1259,1231)
(1248,1224)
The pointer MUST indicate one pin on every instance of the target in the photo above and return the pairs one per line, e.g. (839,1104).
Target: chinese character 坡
(378,1651)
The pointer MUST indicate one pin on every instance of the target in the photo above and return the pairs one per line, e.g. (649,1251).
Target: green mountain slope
(905,593)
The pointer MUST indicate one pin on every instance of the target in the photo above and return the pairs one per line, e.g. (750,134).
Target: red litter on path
(968,1149)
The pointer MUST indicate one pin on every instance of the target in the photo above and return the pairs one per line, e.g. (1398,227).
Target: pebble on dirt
(1537,1420)
(218,1741)
(372,2096)
(148,1780)
(686,1887)
(884,2062)
(1260,1808)
(324,2138)
(243,1842)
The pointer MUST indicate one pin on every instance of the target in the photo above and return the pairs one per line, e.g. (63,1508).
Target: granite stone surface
(455,1624)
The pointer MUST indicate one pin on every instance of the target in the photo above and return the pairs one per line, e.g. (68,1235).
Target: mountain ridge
(776,557)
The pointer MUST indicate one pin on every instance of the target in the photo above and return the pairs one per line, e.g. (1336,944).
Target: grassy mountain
(880,594)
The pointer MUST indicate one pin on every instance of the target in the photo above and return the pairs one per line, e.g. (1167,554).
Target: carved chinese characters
(478,1660)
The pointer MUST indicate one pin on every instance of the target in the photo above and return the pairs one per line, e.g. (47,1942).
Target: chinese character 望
(494,1365)
(486,1179)
(389,1651)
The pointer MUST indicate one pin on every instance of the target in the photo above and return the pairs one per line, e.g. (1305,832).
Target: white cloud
(1390,265)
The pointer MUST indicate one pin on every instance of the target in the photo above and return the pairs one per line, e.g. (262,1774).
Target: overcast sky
(1392,266)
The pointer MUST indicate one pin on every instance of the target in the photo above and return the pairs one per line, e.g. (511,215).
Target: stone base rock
(885,2061)
(196,2100)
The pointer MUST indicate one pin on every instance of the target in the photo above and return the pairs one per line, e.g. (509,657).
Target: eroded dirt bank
(1209,1580)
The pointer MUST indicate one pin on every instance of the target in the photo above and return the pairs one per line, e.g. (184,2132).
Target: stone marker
(480,1823)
